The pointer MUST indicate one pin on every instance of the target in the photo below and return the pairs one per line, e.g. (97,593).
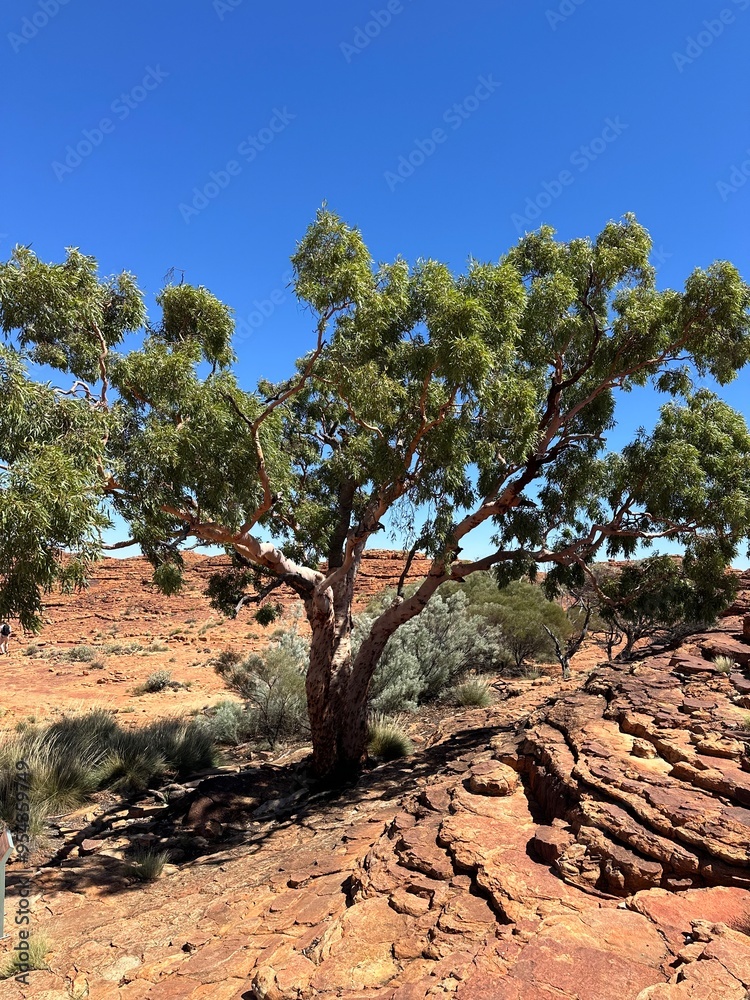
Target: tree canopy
(485,396)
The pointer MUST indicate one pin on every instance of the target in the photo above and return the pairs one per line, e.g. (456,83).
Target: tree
(484,397)
(665,599)
(521,613)
(566,647)
(582,598)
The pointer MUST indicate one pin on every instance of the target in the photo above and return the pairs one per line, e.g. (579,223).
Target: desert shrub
(157,647)
(520,611)
(386,739)
(724,664)
(33,957)
(230,723)
(122,648)
(227,659)
(273,688)
(745,724)
(79,654)
(473,693)
(160,680)
(146,865)
(425,656)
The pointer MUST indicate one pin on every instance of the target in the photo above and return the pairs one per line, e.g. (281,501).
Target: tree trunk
(318,685)
(337,688)
(329,680)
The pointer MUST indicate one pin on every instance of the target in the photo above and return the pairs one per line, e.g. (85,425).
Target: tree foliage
(522,615)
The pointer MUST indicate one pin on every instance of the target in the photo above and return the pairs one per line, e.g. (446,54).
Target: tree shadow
(239,812)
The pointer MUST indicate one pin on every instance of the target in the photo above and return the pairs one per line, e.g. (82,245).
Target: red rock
(602,955)
(550,842)
(721,645)
(491,778)
(90,847)
(673,913)
(686,664)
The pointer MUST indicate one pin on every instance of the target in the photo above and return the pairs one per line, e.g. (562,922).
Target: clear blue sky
(115,113)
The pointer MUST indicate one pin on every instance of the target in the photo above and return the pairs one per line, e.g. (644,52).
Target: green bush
(160,680)
(425,656)
(520,612)
(122,648)
(386,739)
(230,723)
(78,654)
(473,693)
(273,689)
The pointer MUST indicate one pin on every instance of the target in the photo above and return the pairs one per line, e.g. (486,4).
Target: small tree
(526,620)
(582,598)
(579,619)
(665,599)
(485,396)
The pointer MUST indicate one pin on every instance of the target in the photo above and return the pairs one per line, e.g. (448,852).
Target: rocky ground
(584,841)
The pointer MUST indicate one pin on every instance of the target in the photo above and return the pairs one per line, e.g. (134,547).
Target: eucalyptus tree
(483,397)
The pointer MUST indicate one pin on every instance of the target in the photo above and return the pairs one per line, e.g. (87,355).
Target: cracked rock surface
(584,841)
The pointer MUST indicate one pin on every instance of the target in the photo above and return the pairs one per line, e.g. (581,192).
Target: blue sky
(203,134)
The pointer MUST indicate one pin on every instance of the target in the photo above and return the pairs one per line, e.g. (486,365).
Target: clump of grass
(745,724)
(78,654)
(122,648)
(76,756)
(473,693)
(32,957)
(387,740)
(146,865)
(157,647)
(532,673)
(37,652)
(724,664)
(98,664)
